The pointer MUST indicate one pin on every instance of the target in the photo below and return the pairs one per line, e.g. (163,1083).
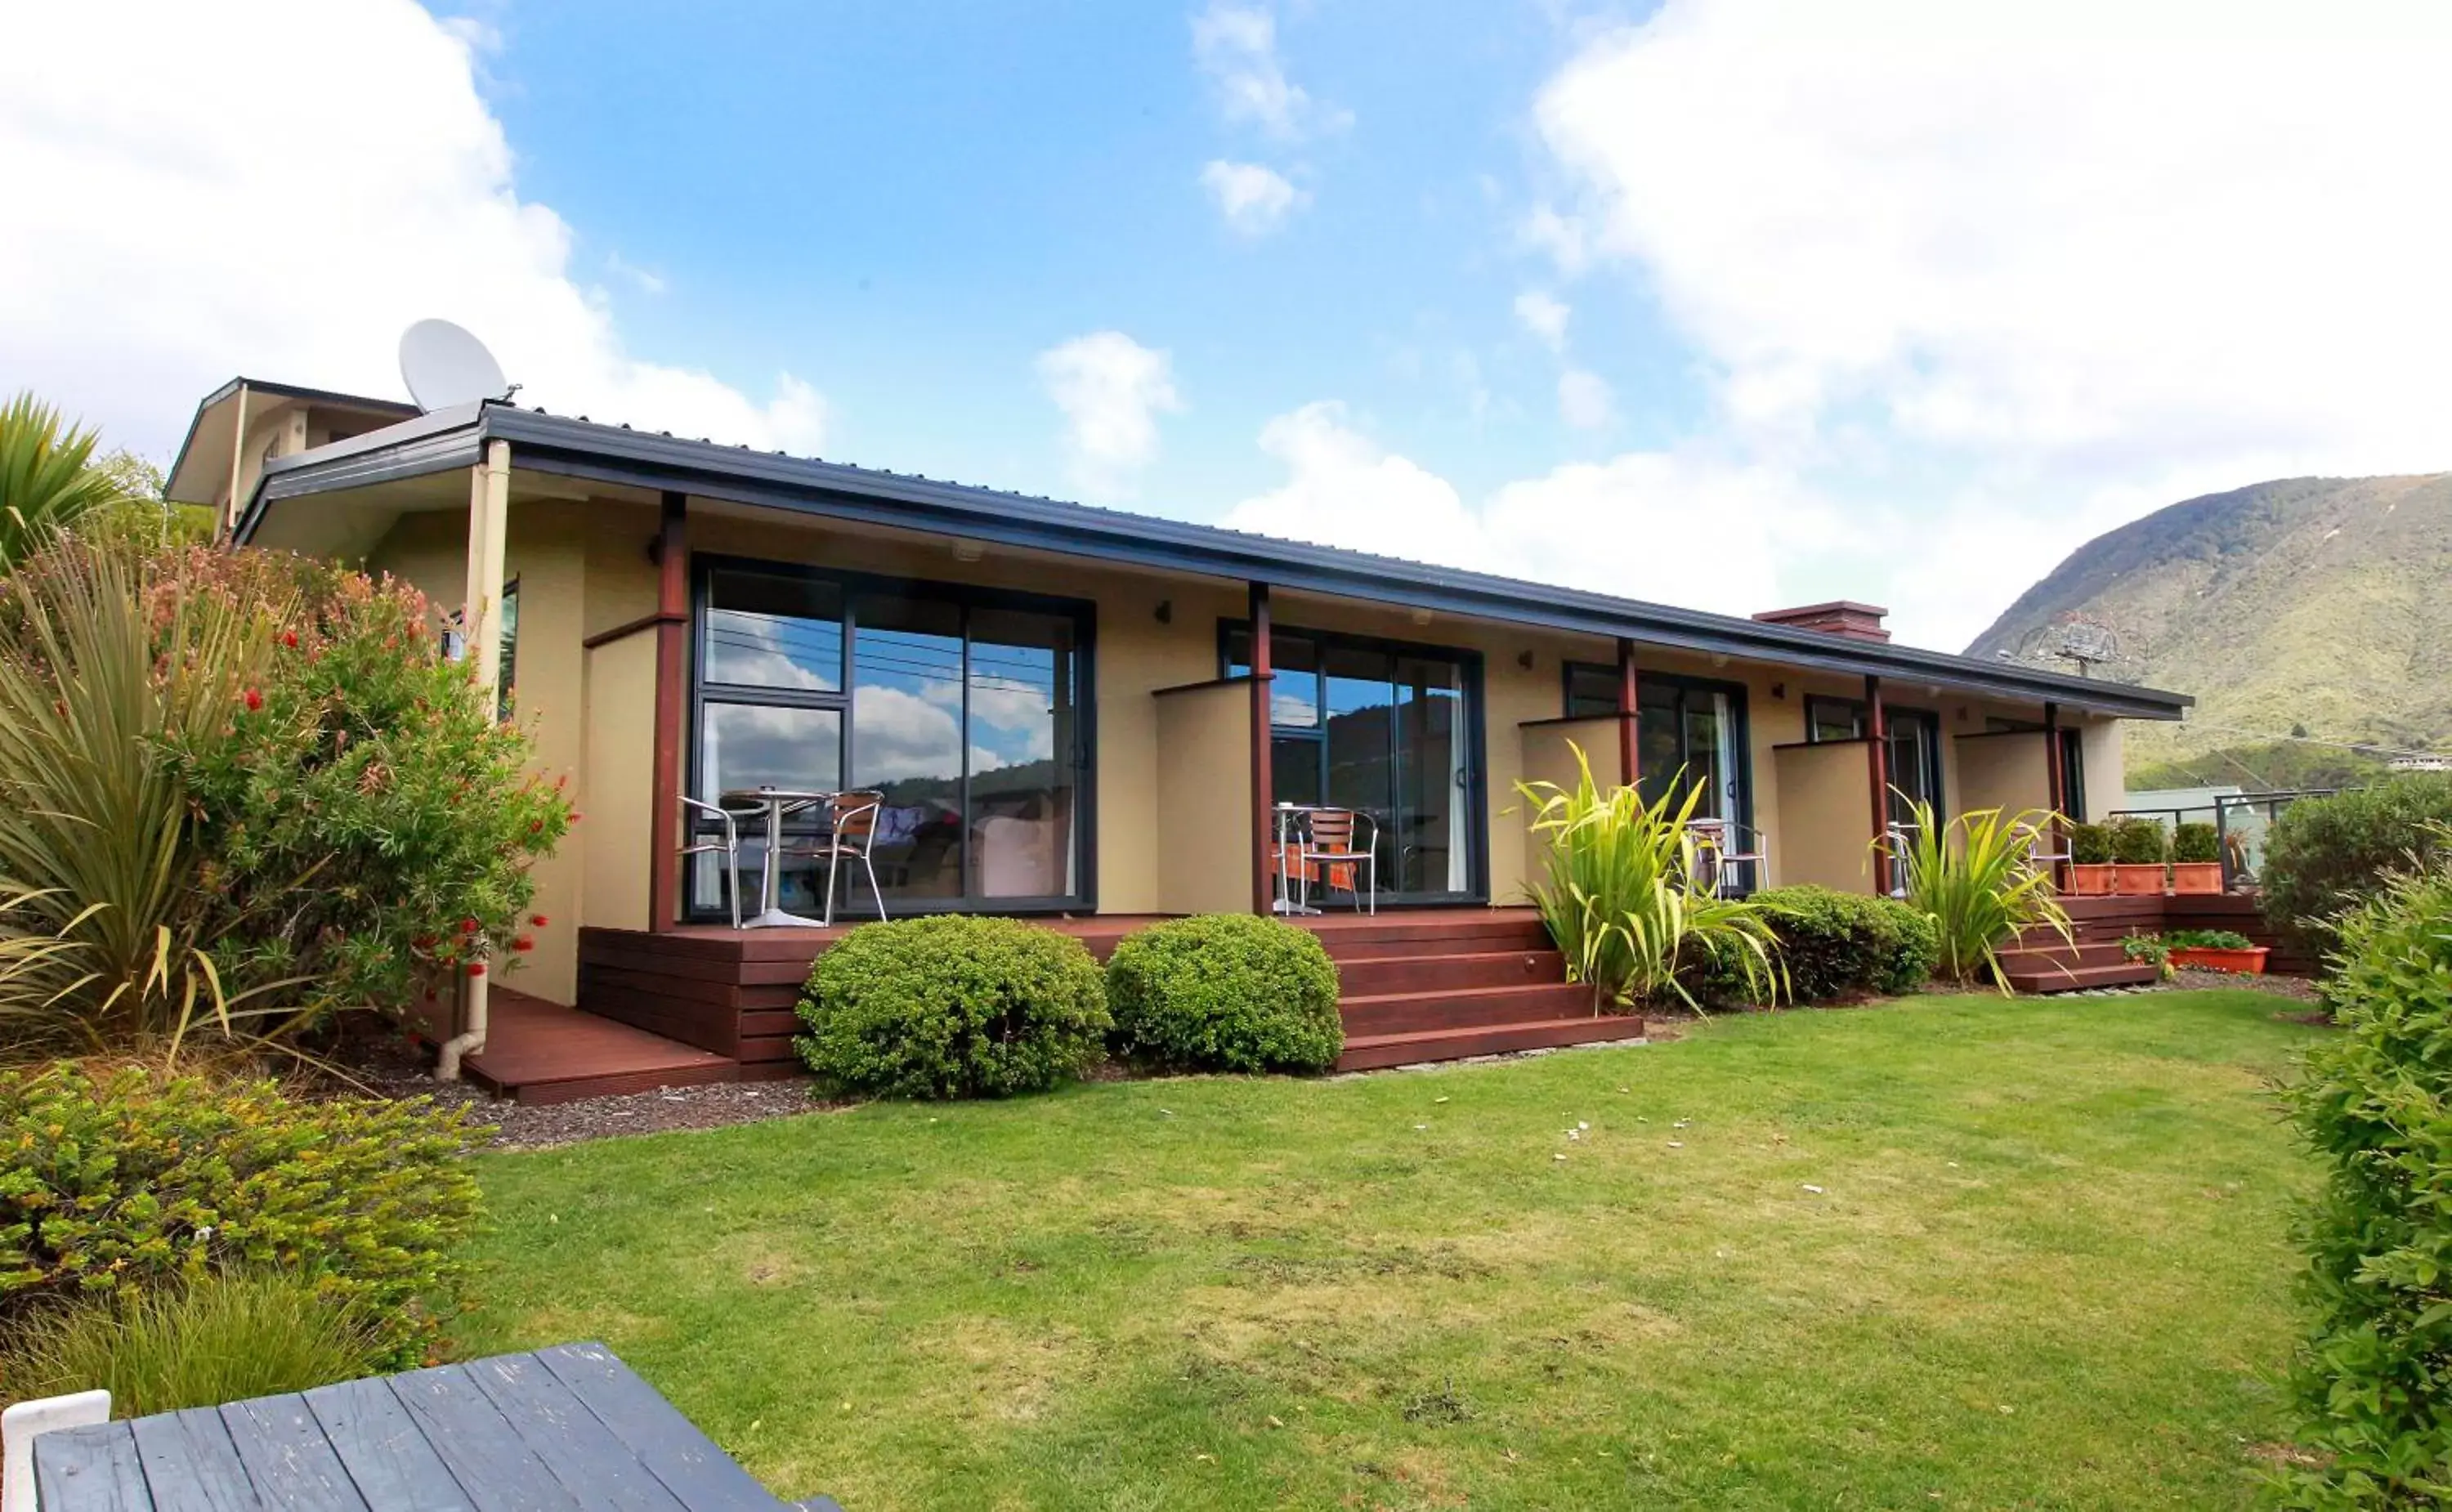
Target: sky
(1728,304)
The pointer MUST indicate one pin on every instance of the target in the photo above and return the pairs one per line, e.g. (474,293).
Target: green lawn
(2046,1267)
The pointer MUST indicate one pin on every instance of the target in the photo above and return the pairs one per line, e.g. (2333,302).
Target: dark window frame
(852,585)
(1469,663)
(1740,716)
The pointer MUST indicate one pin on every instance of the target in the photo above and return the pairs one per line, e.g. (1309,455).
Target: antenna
(2089,643)
(445,367)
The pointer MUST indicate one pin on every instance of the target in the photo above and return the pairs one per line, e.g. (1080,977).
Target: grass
(220,1338)
(2046,1267)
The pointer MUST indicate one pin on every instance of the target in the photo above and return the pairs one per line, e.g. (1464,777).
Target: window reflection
(907,739)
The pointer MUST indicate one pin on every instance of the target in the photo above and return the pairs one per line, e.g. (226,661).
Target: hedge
(1226,991)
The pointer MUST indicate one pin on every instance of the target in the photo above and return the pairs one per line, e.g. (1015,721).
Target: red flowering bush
(362,814)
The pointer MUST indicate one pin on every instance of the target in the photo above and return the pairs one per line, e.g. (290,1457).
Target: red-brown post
(2056,792)
(672,697)
(1263,799)
(1877,760)
(1628,713)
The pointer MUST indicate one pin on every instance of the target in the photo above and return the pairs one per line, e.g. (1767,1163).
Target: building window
(967,709)
(1914,748)
(507,677)
(1688,732)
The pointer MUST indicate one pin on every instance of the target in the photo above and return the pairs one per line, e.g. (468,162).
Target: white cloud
(1545,316)
(1112,389)
(1682,528)
(1584,400)
(646,280)
(2047,263)
(1237,46)
(256,199)
(1255,200)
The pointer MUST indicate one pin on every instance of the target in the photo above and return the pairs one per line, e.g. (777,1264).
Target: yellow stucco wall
(2011,772)
(1546,753)
(1203,800)
(1824,791)
(620,767)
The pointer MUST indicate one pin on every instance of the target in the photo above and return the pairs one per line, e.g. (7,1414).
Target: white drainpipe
(471,1038)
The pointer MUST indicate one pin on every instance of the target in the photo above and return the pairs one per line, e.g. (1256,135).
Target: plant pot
(2197,878)
(2090,879)
(2250,962)
(2131,880)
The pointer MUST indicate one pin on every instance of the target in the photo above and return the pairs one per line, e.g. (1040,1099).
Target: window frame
(1740,716)
(851,584)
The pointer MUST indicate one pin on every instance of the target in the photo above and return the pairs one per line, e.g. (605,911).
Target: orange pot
(2250,962)
(2196,877)
(2090,879)
(2130,880)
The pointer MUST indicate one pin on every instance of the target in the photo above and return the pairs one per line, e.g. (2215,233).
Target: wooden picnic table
(560,1429)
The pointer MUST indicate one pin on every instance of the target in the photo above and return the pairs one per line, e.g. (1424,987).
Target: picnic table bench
(557,1430)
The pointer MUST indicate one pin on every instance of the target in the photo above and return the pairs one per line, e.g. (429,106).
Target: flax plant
(100,665)
(1621,898)
(1976,879)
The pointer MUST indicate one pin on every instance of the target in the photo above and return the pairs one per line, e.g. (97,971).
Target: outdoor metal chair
(851,836)
(1729,845)
(1901,842)
(1328,839)
(726,843)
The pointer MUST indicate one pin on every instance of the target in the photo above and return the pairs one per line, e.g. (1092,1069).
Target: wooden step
(1450,972)
(1480,940)
(1423,1013)
(1373,1051)
(2044,957)
(541,1052)
(2141,973)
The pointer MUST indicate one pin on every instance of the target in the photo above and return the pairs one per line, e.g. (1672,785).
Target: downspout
(489,498)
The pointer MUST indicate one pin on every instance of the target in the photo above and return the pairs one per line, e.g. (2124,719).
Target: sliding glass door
(1690,733)
(965,708)
(1387,730)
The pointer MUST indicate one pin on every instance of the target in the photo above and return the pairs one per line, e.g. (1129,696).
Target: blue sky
(1724,303)
(905,205)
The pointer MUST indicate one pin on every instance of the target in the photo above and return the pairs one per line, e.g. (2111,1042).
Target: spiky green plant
(101,663)
(1621,898)
(48,477)
(1976,879)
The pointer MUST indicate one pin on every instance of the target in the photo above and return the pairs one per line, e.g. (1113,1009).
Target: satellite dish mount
(445,367)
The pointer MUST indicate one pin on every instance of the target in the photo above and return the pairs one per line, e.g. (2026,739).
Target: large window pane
(746,746)
(1023,677)
(1429,840)
(1591,691)
(1361,742)
(1294,692)
(907,739)
(768,631)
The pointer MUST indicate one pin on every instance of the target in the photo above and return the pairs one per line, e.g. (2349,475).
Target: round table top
(774,796)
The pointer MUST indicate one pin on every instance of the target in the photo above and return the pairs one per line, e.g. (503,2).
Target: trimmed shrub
(137,1182)
(1836,945)
(2138,842)
(952,1006)
(2090,844)
(2326,856)
(2207,940)
(1226,991)
(2196,841)
(214,1340)
(2375,1104)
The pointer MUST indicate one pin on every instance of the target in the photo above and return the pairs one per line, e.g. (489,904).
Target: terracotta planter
(2196,878)
(2130,880)
(2090,879)
(2250,962)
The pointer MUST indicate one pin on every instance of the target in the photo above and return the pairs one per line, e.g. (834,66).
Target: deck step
(1450,972)
(2141,974)
(1425,1012)
(1374,1051)
(1483,939)
(2042,956)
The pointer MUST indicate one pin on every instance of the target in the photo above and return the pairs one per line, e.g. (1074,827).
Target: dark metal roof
(618,454)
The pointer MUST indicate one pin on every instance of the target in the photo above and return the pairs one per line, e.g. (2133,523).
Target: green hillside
(2315,606)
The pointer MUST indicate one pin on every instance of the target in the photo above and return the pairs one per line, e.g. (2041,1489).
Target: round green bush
(1227,992)
(2196,841)
(1834,946)
(2138,842)
(951,1006)
(2090,844)
(2326,856)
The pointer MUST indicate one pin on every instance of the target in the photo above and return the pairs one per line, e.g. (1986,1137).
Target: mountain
(2311,606)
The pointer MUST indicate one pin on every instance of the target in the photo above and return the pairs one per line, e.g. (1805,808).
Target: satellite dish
(445,367)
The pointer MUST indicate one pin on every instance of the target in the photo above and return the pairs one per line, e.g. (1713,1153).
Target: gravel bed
(389,1068)
(2299,989)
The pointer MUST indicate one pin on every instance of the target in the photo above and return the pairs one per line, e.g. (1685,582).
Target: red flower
(523,943)
(255,700)
(537,920)
(535,825)
(290,638)
(574,815)
(476,968)
(467,926)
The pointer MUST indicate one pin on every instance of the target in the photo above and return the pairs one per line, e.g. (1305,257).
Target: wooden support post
(1263,797)
(481,629)
(1877,732)
(1629,745)
(2056,793)
(672,700)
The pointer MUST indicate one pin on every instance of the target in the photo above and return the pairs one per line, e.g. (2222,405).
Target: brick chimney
(1841,616)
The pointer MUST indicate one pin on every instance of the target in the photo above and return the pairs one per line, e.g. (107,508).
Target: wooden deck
(566,1427)
(537,1051)
(2042,962)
